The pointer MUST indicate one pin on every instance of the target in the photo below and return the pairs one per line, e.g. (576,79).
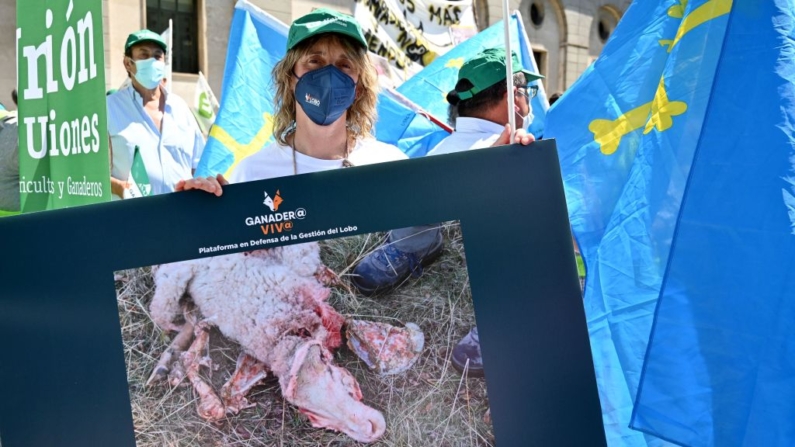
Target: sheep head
(329,395)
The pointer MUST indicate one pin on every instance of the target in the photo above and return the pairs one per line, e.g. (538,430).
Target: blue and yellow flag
(720,368)
(401,124)
(627,133)
(429,87)
(244,124)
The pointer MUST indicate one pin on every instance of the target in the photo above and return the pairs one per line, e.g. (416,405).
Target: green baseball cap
(488,68)
(145,35)
(324,20)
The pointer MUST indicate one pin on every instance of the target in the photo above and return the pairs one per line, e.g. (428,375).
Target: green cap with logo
(145,35)
(324,20)
(488,68)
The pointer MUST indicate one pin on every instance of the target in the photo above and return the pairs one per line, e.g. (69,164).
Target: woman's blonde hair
(361,114)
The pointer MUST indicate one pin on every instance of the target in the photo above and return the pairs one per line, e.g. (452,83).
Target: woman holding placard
(326,89)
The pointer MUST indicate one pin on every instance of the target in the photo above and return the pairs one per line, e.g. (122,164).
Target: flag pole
(170,52)
(506,19)
(418,110)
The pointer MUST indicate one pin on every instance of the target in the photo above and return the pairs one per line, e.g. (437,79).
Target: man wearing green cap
(479,103)
(479,112)
(155,140)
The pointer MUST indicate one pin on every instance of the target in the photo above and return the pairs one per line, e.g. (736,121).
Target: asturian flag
(677,151)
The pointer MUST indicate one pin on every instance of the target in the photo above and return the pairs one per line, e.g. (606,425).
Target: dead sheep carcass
(272,302)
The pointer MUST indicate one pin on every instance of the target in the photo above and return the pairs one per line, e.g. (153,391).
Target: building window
(604,31)
(607,19)
(185,44)
(541,61)
(537,13)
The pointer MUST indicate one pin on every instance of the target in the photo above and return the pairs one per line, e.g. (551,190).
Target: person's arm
(117,186)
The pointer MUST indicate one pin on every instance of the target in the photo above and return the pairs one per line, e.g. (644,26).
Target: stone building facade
(566,35)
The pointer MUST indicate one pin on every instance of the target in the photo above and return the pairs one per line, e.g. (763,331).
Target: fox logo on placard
(275,221)
(273,203)
(314,101)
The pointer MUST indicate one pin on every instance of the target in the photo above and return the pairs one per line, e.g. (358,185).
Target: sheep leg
(248,373)
(171,354)
(210,406)
(329,278)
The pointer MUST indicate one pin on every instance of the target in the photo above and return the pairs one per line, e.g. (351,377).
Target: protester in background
(9,161)
(479,112)
(145,117)
(408,250)
(479,103)
(325,105)
(481,100)
(555,96)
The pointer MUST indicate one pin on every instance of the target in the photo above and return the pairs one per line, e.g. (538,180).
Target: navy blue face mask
(325,94)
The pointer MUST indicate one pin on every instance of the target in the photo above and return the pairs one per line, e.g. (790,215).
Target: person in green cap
(154,138)
(325,106)
(480,114)
(325,109)
(481,101)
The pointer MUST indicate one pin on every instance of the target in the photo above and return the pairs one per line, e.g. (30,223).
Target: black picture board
(62,371)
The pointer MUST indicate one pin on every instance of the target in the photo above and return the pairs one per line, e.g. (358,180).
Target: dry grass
(428,405)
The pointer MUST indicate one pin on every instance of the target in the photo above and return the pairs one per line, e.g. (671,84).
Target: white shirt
(9,163)
(169,157)
(275,160)
(470,133)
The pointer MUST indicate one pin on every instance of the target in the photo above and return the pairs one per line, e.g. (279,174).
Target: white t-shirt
(275,160)
(470,133)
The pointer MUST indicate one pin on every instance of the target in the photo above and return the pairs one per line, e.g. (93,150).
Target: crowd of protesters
(325,112)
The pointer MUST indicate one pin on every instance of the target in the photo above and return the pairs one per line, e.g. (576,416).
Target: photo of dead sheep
(275,347)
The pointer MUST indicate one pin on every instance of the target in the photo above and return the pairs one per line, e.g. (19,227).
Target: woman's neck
(323,142)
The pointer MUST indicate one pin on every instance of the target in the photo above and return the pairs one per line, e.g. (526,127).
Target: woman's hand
(210,184)
(522,137)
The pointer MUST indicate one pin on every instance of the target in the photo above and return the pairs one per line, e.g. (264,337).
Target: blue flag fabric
(257,41)
(720,368)
(429,87)
(400,124)
(627,132)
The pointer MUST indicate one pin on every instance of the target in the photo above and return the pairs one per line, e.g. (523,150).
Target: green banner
(63,144)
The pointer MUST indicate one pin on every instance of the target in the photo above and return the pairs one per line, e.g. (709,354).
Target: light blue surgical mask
(526,119)
(149,72)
